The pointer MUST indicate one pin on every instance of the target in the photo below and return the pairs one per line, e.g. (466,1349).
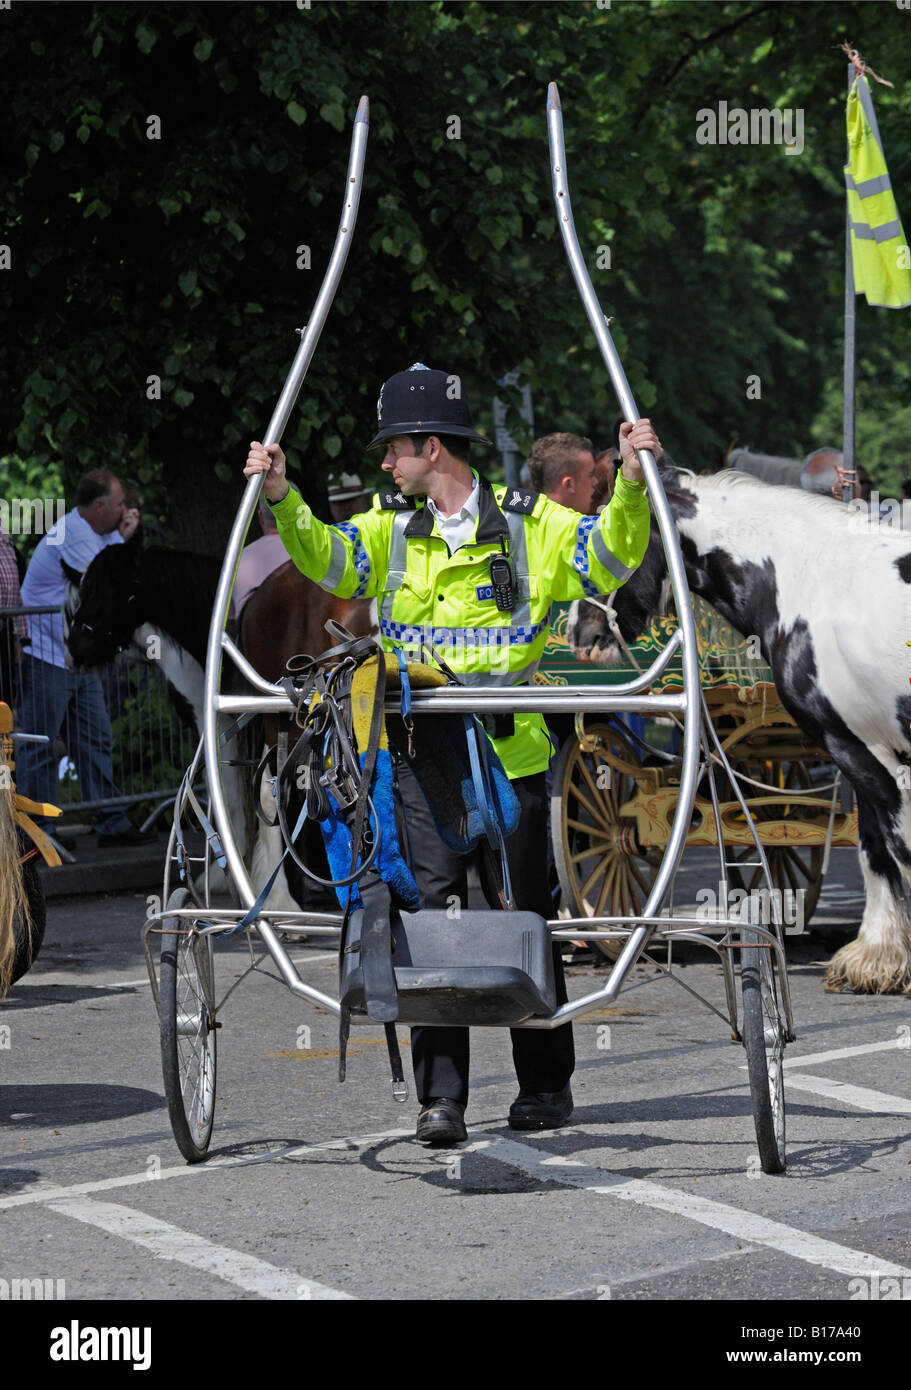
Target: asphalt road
(315,1190)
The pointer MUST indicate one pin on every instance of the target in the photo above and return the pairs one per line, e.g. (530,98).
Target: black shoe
(440,1123)
(127,837)
(548,1110)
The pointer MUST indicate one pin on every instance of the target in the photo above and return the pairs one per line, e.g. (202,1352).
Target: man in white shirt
(54,698)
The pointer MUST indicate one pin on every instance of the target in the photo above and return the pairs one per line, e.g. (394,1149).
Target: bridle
(104,635)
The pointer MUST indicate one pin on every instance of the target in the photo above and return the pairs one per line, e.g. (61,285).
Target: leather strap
(480,774)
(376,951)
(399,1084)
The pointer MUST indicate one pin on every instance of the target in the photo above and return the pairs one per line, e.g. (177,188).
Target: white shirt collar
(469,508)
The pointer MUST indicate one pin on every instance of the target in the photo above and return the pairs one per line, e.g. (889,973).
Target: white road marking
(814,1058)
(167,1242)
(194,1170)
(859,1096)
(742,1225)
(538,1163)
(604,1281)
(56,978)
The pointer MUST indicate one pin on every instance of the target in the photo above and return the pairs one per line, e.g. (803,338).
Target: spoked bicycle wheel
(188,1052)
(764,1039)
(603,872)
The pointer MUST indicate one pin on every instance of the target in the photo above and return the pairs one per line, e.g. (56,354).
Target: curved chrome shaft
(693,712)
(286,400)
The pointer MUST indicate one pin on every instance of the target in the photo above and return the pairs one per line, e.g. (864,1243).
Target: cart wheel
(602,870)
(792,868)
(188,1034)
(28,943)
(763,1039)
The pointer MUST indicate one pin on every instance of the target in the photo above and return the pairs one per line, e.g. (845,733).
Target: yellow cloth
(880,252)
(19,806)
(363,687)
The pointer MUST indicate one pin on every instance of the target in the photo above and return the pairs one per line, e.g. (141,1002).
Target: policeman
(470,571)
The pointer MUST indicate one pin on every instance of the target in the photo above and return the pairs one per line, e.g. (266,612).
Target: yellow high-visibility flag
(880,250)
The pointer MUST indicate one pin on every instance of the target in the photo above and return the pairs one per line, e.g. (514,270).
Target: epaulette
(395,502)
(519,499)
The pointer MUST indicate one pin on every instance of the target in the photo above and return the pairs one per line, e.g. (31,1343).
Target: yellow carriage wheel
(602,869)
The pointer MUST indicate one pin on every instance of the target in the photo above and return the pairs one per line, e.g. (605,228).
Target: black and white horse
(155,602)
(830,601)
(158,603)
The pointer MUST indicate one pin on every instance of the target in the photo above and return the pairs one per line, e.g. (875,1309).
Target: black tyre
(28,944)
(188,1051)
(764,1039)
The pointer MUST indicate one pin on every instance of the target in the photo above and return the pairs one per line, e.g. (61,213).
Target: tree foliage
(176,258)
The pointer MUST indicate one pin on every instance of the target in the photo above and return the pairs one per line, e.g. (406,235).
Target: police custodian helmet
(423,401)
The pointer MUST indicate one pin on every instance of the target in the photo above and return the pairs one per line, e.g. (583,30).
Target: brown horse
(287,615)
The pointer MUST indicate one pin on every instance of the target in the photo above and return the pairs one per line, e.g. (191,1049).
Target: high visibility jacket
(446,602)
(880,254)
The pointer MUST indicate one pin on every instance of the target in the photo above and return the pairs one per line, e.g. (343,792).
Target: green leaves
(177,257)
(334,113)
(146,37)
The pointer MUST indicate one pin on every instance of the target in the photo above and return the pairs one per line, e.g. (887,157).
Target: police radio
(503,580)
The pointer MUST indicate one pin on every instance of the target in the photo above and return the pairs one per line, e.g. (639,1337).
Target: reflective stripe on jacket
(446,602)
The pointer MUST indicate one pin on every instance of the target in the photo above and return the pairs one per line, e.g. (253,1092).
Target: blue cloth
(392,867)
(442,770)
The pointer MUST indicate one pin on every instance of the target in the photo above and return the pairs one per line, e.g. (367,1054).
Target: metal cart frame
(185,991)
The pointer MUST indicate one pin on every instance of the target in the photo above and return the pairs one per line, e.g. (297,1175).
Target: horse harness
(338,713)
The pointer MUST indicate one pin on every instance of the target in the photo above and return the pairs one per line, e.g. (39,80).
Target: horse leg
(235,782)
(878,961)
(267,851)
(259,846)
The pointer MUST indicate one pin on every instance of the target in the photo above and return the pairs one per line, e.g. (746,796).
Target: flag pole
(850,324)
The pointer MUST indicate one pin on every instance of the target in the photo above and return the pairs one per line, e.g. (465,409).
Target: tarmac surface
(318,1191)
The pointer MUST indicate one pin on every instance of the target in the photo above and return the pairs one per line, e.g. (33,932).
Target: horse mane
(182,584)
(837,513)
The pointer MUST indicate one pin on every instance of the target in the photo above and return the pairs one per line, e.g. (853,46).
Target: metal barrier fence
(116,738)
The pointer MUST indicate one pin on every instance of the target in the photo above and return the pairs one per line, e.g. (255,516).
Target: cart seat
(477,969)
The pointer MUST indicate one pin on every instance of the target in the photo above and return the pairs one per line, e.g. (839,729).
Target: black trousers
(543,1058)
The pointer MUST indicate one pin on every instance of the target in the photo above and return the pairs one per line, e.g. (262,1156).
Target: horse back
(287,615)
